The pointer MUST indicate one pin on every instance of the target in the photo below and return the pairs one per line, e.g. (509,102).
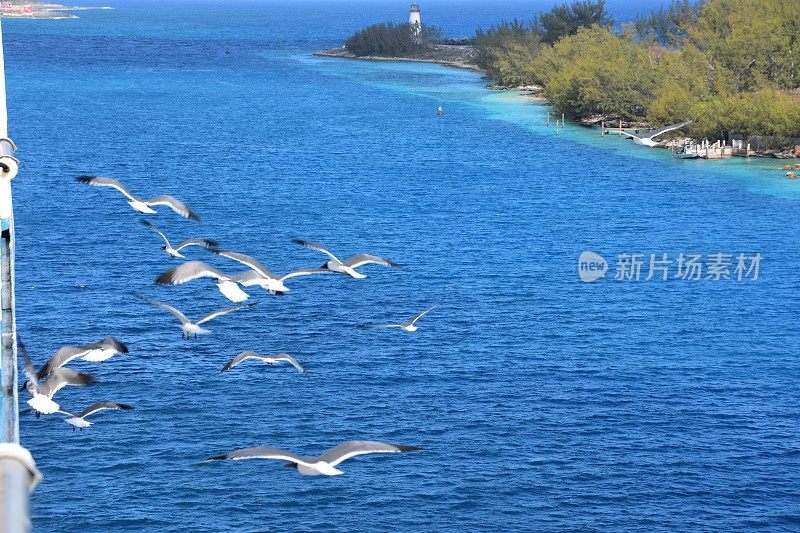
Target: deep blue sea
(542,403)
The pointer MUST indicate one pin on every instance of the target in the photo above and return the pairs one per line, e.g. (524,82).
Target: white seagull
(647,138)
(190,270)
(138,204)
(324,464)
(349,265)
(409,326)
(193,328)
(98,351)
(261,276)
(266,359)
(42,393)
(79,419)
(176,251)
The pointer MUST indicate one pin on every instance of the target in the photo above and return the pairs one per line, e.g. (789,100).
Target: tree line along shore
(732,67)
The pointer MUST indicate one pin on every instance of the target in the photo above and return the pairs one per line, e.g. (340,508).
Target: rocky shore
(457,56)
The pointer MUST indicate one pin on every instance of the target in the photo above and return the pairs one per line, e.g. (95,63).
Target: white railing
(18,473)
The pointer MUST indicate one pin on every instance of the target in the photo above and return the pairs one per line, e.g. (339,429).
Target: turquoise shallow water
(540,402)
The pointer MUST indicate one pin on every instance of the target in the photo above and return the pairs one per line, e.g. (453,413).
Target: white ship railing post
(18,473)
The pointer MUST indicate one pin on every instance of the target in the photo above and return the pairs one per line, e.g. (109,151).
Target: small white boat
(440,111)
(687,151)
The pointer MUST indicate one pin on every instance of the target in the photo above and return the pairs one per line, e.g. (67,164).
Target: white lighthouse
(414,18)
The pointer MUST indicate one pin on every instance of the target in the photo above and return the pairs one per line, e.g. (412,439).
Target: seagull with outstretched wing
(348,266)
(647,138)
(98,351)
(324,464)
(261,276)
(410,325)
(190,270)
(78,420)
(42,393)
(175,252)
(138,204)
(193,328)
(266,359)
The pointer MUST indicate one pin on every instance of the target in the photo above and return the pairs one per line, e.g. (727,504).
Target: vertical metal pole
(18,473)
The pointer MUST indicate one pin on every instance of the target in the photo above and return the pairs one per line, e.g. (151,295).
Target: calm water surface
(541,403)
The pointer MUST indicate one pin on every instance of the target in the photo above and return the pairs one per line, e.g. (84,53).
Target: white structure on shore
(414,18)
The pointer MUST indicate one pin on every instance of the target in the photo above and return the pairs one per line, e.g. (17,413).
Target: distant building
(414,18)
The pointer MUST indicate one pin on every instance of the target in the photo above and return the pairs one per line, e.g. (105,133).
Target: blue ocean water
(540,402)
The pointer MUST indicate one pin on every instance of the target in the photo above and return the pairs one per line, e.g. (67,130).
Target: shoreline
(49,12)
(533,91)
(341,53)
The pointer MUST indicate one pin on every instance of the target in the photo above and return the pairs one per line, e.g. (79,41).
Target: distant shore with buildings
(36,10)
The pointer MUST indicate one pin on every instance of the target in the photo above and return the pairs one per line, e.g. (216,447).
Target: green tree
(506,53)
(667,26)
(392,40)
(597,72)
(565,20)
(757,41)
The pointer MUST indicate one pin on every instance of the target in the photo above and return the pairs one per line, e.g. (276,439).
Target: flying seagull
(42,393)
(410,326)
(176,251)
(261,276)
(95,352)
(190,270)
(79,419)
(142,206)
(324,464)
(347,266)
(647,138)
(193,328)
(266,359)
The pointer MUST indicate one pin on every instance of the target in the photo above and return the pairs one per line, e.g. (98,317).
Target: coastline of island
(455,56)
(461,57)
(446,55)
(42,11)
(673,69)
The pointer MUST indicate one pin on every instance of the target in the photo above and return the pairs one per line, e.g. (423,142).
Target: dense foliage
(392,40)
(668,26)
(565,20)
(597,72)
(506,52)
(732,66)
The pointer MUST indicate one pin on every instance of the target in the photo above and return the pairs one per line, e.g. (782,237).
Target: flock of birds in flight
(54,375)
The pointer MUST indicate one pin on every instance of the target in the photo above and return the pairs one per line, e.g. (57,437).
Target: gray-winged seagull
(138,204)
(647,138)
(266,359)
(193,328)
(349,265)
(324,464)
(176,251)
(42,393)
(261,276)
(410,325)
(98,351)
(190,270)
(79,419)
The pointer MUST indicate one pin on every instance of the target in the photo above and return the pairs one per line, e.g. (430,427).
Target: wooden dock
(718,150)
